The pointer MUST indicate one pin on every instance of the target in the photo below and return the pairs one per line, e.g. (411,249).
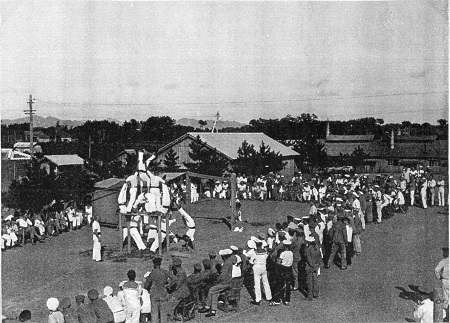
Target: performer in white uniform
(135,223)
(164,228)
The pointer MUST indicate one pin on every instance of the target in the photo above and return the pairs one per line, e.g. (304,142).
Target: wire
(241,102)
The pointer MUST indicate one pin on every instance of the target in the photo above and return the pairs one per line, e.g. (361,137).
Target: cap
(52,304)
(198,266)
(251,244)
(177,261)
(309,238)
(254,238)
(262,236)
(121,283)
(234,248)
(65,303)
(271,232)
(287,242)
(354,193)
(79,298)
(157,261)
(9,217)
(292,226)
(146,274)
(108,290)
(212,253)
(92,294)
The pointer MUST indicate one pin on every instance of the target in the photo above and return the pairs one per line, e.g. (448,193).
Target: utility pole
(215,122)
(30,111)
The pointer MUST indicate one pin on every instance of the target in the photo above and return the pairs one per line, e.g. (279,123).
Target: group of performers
(145,195)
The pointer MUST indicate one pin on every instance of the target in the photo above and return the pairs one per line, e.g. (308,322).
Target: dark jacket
(102,311)
(338,233)
(313,258)
(225,273)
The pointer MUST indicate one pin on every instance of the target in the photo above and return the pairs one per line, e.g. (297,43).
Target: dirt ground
(398,259)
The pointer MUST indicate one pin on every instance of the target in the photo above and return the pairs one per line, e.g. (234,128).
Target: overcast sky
(247,60)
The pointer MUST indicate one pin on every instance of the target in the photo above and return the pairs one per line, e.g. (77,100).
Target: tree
(202,123)
(253,162)
(171,161)
(206,160)
(311,154)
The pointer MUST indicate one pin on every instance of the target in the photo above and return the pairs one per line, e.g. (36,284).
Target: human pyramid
(145,195)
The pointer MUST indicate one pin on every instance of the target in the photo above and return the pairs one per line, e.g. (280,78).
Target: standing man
(156,284)
(180,288)
(101,308)
(313,259)
(441,273)
(132,298)
(441,190)
(97,238)
(338,236)
(259,260)
(412,190)
(423,192)
(378,202)
(432,189)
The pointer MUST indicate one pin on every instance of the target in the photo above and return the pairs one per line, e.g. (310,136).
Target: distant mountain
(220,124)
(45,122)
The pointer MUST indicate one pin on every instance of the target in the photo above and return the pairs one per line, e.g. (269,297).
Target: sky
(246,60)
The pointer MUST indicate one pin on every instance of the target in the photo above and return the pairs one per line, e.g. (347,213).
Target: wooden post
(167,232)
(188,194)
(159,234)
(128,235)
(439,304)
(233,199)
(121,232)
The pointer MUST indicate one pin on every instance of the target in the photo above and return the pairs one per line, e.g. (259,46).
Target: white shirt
(424,312)
(287,258)
(349,233)
(258,259)
(95,226)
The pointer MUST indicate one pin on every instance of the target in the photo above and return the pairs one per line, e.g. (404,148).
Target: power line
(242,102)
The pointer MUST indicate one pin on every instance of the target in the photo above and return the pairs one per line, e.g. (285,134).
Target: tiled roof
(109,182)
(64,160)
(437,149)
(373,148)
(22,144)
(229,143)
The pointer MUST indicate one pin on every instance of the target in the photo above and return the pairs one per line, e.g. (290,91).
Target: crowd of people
(52,220)
(288,257)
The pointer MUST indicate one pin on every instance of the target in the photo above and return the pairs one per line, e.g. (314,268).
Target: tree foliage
(257,162)
(38,188)
(206,160)
(171,161)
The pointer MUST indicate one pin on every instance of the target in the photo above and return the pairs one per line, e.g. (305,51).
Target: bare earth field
(398,254)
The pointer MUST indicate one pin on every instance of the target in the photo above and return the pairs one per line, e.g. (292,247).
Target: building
(104,200)
(24,147)
(38,136)
(60,163)
(390,156)
(14,165)
(227,144)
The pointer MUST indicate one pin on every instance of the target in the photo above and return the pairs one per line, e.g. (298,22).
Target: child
(55,316)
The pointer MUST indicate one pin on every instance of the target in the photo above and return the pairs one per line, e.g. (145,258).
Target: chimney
(392,139)
(327,133)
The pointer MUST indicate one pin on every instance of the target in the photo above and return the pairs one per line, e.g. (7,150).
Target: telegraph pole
(215,122)
(30,111)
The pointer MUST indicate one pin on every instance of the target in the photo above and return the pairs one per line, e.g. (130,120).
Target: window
(395,162)
(434,163)
(390,162)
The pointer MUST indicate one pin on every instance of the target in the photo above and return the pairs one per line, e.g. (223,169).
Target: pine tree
(206,160)
(171,161)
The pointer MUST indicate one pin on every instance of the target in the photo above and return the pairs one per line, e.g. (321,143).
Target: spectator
(114,305)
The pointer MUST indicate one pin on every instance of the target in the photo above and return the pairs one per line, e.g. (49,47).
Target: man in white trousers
(164,229)
(97,238)
(190,223)
(134,232)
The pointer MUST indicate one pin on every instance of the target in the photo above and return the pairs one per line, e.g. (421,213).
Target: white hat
(292,226)
(52,304)
(146,274)
(225,252)
(255,239)
(9,218)
(238,259)
(121,283)
(354,193)
(287,242)
(107,290)
(270,232)
(251,244)
(234,248)
(309,238)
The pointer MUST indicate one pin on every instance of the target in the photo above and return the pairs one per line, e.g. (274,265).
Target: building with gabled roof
(227,144)
(61,163)
(14,165)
